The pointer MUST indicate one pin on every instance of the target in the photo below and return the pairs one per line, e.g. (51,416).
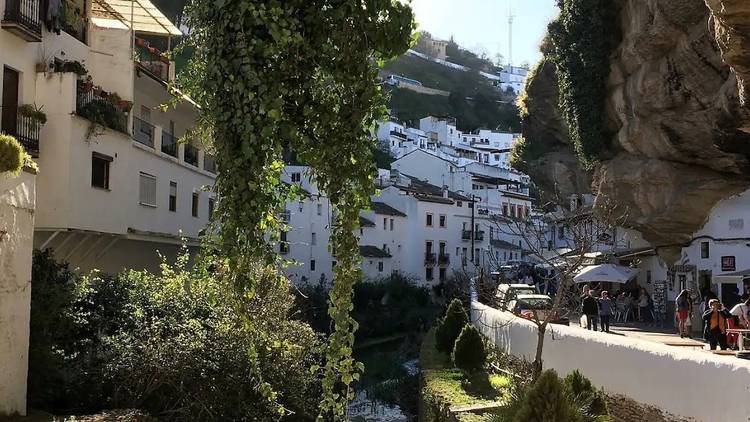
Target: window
(312,265)
(380,266)
(385,224)
(320,209)
(497,157)
(705,250)
(210,207)
(549,245)
(505,255)
(428,274)
(428,246)
(173,196)
(296,177)
(460,204)
(196,201)
(442,221)
(561,232)
(476,256)
(442,248)
(391,224)
(505,209)
(283,244)
(314,239)
(100,170)
(147,189)
(429,219)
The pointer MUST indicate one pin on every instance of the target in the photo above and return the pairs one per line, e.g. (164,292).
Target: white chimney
(445,191)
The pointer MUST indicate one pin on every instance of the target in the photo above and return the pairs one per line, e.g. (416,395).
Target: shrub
(545,401)
(12,155)
(586,399)
(468,352)
(450,326)
(175,345)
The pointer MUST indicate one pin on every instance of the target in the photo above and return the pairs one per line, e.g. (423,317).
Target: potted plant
(35,114)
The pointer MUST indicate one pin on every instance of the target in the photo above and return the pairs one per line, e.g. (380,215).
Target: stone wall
(17,204)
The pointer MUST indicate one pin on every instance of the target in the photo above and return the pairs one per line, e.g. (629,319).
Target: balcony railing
(209,163)
(466,235)
(26,130)
(152,59)
(191,155)
(444,259)
(398,134)
(23,18)
(169,144)
(99,107)
(143,132)
(429,259)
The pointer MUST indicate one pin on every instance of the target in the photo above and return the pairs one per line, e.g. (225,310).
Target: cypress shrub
(584,395)
(546,401)
(450,326)
(468,352)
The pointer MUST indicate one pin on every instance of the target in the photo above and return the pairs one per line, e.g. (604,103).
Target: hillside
(474,102)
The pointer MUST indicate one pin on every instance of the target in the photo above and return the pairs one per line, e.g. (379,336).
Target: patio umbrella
(604,273)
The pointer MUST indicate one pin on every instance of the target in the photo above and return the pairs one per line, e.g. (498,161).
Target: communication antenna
(511,16)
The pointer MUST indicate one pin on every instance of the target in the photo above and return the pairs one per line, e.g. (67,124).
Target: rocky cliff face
(678,105)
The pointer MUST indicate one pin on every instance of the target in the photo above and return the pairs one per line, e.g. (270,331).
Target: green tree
(449,327)
(545,401)
(300,75)
(468,352)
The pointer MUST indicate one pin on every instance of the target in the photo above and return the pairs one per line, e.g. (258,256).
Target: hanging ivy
(295,76)
(583,38)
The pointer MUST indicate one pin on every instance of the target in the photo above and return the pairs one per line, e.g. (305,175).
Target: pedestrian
(715,324)
(590,308)
(708,294)
(605,310)
(741,312)
(684,310)
(622,307)
(642,305)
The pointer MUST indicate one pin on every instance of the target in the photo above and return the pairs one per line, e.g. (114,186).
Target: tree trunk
(537,365)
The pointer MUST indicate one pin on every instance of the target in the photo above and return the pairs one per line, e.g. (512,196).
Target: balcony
(444,259)
(152,60)
(398,135)
(169,144)
(101,107)
(429,259)
(466,235)
(143,132)
(23,18)
(191,155)
(25,129)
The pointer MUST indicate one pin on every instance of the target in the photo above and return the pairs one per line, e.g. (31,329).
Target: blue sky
(482,25)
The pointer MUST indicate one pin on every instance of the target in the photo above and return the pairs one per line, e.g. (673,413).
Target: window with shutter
(147,189)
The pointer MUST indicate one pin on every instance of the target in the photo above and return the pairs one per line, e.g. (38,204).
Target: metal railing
(152,59)
(191,155)
(169,144)
(99,109)
(26,14)
(444,259)
(398,134)
(430,258)
(466,235)
(143,132)
(26,130)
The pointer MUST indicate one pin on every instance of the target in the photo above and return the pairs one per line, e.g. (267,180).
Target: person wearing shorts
(683,304)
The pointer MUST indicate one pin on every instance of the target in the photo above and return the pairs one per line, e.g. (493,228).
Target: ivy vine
(583,38)
(295,76)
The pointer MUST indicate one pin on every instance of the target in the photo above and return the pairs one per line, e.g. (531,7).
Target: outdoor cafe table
(741,334)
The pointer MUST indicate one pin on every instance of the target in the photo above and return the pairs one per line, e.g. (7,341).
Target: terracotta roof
(385,209)
(369,251)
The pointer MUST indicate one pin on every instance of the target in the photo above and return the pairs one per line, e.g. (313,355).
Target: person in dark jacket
(715,322)
(590,308)
(606,309)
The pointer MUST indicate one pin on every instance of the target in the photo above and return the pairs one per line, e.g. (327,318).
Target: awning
(736,277)
(605,273)
(141,15)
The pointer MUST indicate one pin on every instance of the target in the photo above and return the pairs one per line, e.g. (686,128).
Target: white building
(109,195)
(514,78)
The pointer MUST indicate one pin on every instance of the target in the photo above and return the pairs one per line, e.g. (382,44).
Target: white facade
(107,199)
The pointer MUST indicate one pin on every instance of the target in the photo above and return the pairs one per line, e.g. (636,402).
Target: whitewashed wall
(17,203)
(688,383)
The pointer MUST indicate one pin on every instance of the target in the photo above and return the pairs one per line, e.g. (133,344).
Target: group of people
(636,306)
(717,319)
(595,309)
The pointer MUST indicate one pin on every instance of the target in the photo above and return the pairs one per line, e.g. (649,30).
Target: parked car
(524,305)
(508,292)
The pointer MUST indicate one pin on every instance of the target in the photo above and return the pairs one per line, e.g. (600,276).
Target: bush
(12,155)
(587,400)
(468,352)
(545,401)
(176,345)
(450,326)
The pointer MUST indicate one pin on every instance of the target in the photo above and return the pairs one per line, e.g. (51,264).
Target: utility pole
(473,229)
(511,16)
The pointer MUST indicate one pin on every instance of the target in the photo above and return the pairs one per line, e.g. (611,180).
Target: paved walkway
(647,332)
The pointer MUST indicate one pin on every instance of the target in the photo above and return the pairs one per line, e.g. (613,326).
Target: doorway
(10,101)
